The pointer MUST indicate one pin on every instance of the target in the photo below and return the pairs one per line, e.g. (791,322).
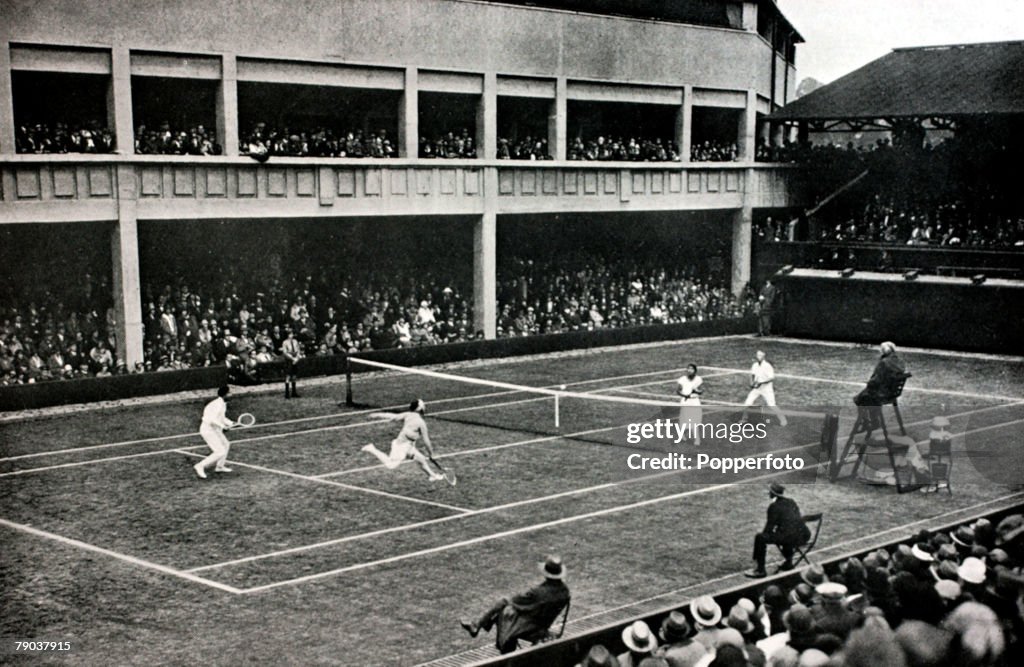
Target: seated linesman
(528,615)
(784,527)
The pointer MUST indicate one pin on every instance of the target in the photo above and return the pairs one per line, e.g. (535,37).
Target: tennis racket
(245,420)
(449,474)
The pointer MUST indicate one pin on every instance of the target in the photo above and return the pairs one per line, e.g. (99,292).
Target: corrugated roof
(962,79)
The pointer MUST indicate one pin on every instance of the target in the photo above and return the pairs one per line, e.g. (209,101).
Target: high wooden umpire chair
(870,417)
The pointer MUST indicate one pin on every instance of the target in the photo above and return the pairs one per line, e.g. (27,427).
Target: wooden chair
(550,635)
(800,552)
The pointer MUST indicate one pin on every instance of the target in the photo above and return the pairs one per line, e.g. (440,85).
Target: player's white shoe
(435,477)
(199,471)
(222,469)
(367,448)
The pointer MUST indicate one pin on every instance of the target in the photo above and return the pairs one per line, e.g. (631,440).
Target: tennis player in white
(215,420)
(762,379)
(414,429)
(690,387)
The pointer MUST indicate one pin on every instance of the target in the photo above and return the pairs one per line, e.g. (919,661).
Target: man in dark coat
(527,615)
(888,373)
(765,307)
(784,527)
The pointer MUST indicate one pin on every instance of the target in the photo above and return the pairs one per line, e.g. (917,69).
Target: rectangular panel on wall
(675,181)
(277,186)
(423,178)
(373,182)
(184,182)
(450,82)
(100,182)
(56,59)
(693,181)
(27,183)
(152,181)
(638,182)
(657,182)
(731,99)
(399,182)
(714,181)
(610,182)
(529,182)
(471,183)
(346,183)
(326,186)
(305,183)
(184,66)
(610,92)
(625,186)
(732,181)
(506,181)
(514,86)
(549,184)
(590,182)
(320,74)
(570,181)
(447,177)
(216,182)
(247,183)
(64,184)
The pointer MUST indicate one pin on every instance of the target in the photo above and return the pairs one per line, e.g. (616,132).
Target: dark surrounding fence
(85,390)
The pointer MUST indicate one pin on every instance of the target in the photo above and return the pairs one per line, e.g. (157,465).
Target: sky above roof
(842,35)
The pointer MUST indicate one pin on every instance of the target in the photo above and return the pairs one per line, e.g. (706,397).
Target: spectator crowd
(165,140)
(235,320)
(620,149)
(89,137)
(262,141)
(947,599)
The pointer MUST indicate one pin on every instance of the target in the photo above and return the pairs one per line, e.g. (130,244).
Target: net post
(557,415)
(348,381)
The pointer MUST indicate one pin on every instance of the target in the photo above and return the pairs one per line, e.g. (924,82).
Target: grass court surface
(312,553)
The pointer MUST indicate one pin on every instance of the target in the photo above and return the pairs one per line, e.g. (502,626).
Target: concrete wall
(442,34)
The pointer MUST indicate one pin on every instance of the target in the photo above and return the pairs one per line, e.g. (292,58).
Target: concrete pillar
(119,100)
(747,134)
(409,116)
(750,16)
(684,124)
(126,285)
(558,119)
(485,260)
(487,119)
(227,105)
(7,145)
(742,228)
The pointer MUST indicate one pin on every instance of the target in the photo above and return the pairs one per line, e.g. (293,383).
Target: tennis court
(311,550)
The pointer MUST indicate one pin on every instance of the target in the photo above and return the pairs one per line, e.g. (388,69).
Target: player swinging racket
(762,377)
(215,420)
(414,429)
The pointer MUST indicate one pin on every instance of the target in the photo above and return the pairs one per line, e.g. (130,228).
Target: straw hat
(706,611)
(972,570)
(638,638)
(552,568)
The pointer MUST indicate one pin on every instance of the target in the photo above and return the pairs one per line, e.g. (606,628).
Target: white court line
(275,436)
(351,487)
(540,526)
(496,508)
(76,464)
(903,349)
(120,556)
(126,443)
(924,390)
(828,547)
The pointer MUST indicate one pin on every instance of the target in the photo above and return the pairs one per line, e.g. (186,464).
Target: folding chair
(549,635)
(940,464)
(800,552)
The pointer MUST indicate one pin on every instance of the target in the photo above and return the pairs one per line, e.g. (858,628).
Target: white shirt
(215,414)
(762,372)
(687,386)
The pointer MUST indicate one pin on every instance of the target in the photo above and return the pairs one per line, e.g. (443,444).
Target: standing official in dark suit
(784,527)
(527,615)
(766,303)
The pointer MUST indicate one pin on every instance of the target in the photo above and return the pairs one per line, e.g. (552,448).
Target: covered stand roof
(929,81)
